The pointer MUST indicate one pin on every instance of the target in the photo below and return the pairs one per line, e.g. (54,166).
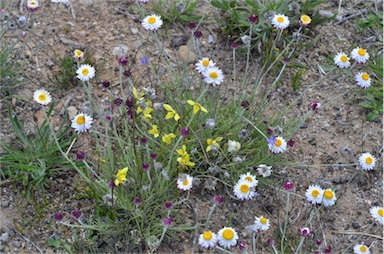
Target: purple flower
(168,205)
(145,167)
(167,222)
(270,242)
(118,102)
(245,104)
(184,132)
(144,60)
(77,213)
(291,142)
(318,242)
(270,130)
(306,232)
(127,73)
(129,102)
(137,201)
(106,83)
(153,156)
(218,199)
(80,155)
(242,246)
(192,25)
(253,19)
(286,60)
(234,45)
(144,140)
(315,106)
(58,216)
(288,186)
(107,118)
(197,34)
(123,60)
(111,184)
(271,140)
(328,250)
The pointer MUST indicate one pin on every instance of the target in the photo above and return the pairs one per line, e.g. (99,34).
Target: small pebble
(4,237)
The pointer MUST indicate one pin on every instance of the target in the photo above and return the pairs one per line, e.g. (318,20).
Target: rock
(26,94)
(187,55)
(72,111)
(39,117)
(134,30)
(16,244)
(59,107)
(4,237)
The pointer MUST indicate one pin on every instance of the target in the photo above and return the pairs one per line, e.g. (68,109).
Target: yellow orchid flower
(213,142)
(184,157)
(196,107)
(121,176)
(154,131)
(167,138)
(171,113)
(136,94)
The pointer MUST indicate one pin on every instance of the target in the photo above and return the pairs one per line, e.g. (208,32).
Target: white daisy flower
(204,64)
(184,182)
(367,161)
(66,2)
(213,75)
(280,21)
(233,146)
(208,239)
(342,60)
(85,72)
(278,146)
(314,194)
(33,5)
(329,198)
(82,122)
(264,170)
(363,80)
(227,237)
(360,55)
(42,97)
(261,223)
(361,249)
(377,213)
(152,22)
(250,178)
(244,190)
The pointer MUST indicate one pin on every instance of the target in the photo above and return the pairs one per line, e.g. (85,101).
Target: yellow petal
(169,115)
(209,148)
(124,170)
(117,182)
(167,107)
(196,108)
(172,135)
(190,102)
(203,109)
(219,139)
(177,117)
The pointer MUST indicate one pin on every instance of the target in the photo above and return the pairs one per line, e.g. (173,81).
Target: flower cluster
(316,195)
(226,238)
(211,73)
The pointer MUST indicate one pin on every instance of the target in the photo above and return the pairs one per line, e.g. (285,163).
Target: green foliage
(172,11)
(33,159)
(374,20)
(234,16)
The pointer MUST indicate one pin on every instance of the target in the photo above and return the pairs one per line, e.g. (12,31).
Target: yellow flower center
(207,235)
(80,120)
(42,97)
(248,178)
(280,19)
(363,248)
(369,160)
(78,53)
(344,58)
(361,52)
(380,212)
(365,76)
(151,20)
(305,19)
(33,3)
(328,194)
(213,74)
(205,62)
(244,188)
(315,193)
(263,220)
(278,142)
(85,71)
(228,234)
(186,182)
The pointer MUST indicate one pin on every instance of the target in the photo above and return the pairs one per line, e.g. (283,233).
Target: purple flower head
(184,132)
(328,250)
(107,118)
(127,73)
(234,45)
(80,155)
(218,199)
(144,60)
(123,60)
(286,60)
(111,184)
(118,102)
(306,232)
(245,104)
(167,222)
(271,140)
(242,246)
(153,156)
(253,19)
(270,130)
(137,201)
(318,242)
(315,106)
(288,186)
(192,25)
(106,83)
(129,102)
(145,167)
(77,213)
(168,205)
(58,216)
(129,113)
(197,34)
(270,242)
(144,140)
(291,142)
